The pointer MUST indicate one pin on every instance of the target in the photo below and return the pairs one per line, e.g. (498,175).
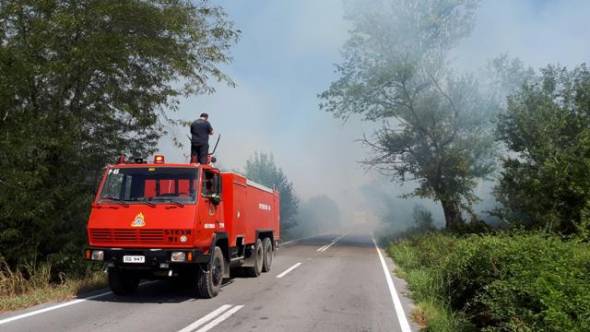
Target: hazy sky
(286,56)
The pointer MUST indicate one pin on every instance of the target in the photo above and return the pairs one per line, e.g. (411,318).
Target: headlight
(97,255)
(178,256)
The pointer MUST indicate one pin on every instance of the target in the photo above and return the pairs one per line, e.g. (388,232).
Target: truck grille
(125,236)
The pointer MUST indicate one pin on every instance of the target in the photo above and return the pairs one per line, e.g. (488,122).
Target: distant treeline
(298,219)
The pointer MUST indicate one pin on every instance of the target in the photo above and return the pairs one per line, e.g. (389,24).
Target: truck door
(210,210)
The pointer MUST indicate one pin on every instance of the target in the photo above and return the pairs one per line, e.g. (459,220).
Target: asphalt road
(325,283)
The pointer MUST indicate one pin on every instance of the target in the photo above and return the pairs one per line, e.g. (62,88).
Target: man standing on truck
(201,130)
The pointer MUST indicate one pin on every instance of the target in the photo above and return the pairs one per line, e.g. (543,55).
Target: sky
(286,56)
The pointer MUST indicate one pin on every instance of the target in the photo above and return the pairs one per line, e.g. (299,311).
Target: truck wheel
(268,252)
(209,281)
(258,254)
(121,282)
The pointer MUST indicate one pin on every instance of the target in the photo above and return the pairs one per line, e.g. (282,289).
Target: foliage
(81,82)
(502,282)
(396,70)
(29,284)
(261,168)
(545,182)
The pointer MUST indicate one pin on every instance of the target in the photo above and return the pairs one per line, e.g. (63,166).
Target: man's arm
(210,129)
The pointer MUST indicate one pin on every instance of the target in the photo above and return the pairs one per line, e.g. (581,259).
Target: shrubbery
(31,284)
(503,282)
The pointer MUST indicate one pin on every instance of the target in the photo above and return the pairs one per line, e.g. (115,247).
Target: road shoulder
(402,289)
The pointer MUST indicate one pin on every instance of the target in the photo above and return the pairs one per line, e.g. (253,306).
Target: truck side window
(211,184)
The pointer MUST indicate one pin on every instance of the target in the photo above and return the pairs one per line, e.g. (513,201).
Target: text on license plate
(133,259)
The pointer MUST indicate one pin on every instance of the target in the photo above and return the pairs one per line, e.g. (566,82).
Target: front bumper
(155,259)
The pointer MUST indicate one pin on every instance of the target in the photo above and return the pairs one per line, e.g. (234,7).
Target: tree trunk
(452,213)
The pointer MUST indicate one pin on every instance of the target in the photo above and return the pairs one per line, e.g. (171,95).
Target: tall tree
(545,181)
(80,82)
(261,168)
(396,71)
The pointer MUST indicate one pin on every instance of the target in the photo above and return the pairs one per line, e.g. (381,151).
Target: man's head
(204,116)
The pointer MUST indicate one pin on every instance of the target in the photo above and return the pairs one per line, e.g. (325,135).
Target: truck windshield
(150,185)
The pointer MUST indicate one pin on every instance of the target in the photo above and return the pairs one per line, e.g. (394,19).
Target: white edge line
(61,305)
(206,318)
(220,319)
(289,270)
(397,304)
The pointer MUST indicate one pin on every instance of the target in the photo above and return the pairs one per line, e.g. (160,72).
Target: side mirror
(215,199)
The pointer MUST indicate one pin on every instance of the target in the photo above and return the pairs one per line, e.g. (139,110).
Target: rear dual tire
(262,253)
(258,257)
(268,253)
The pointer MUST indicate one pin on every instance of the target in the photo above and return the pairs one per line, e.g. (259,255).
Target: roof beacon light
(158,159)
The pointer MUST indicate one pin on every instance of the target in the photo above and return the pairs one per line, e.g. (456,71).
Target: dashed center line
(284,273)
(322,248)
(196,324)
(327,246)
(212,319)
(220,319)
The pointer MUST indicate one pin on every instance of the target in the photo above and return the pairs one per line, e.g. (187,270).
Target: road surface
(325,283)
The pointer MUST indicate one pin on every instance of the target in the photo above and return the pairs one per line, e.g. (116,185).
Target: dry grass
(419,317)
(30,285)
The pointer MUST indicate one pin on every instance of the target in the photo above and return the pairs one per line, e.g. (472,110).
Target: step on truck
(188,222)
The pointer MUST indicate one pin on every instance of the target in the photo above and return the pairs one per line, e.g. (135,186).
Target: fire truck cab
(186,221)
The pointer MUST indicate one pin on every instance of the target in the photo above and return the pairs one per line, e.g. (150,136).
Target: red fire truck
(186,221)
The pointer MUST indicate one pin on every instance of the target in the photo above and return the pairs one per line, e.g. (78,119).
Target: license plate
(134,259)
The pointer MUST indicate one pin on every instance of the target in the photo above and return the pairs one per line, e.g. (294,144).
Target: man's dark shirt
(201,129)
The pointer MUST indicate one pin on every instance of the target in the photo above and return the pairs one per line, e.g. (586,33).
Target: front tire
(209,280)
(268,253)
(122,282)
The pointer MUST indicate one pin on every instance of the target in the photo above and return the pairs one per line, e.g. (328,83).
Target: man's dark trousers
(201,151)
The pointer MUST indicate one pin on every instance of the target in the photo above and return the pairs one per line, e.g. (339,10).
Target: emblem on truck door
(138,221)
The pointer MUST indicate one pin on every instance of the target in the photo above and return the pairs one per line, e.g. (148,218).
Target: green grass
(27,286)
(497,282)
(431,313)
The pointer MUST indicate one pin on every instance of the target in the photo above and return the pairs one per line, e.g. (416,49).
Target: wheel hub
(216,272)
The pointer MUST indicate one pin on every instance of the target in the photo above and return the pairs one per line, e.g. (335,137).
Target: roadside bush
(30,284)
(421,258)
(501,282)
